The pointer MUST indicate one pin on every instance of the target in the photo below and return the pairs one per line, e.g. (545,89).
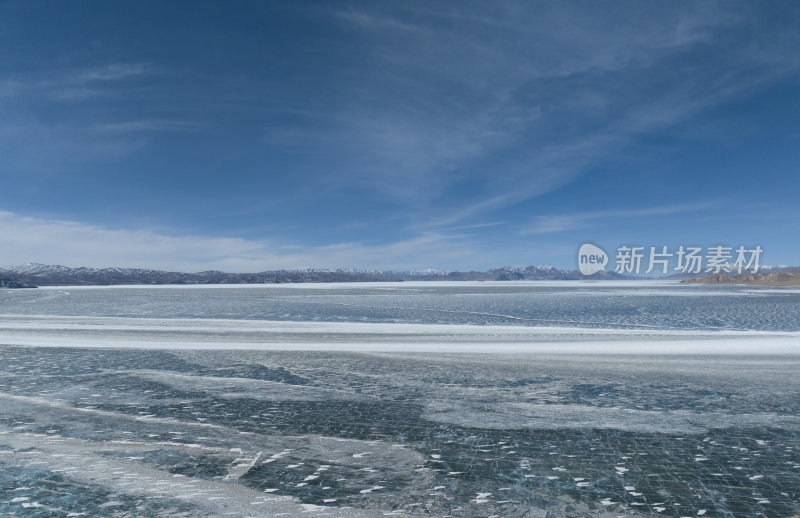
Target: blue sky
(251,136)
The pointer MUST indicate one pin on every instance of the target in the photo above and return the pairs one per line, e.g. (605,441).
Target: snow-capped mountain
(34,269)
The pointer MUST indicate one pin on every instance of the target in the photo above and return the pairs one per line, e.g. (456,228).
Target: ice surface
(415,433)
(457,400)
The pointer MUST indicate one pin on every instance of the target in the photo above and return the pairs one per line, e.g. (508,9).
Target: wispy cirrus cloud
(111,72)
(42,145)
(553,223)
(542,94)
(70,84)
(147,126)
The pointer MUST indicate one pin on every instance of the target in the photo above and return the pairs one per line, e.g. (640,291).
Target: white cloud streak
(553,223)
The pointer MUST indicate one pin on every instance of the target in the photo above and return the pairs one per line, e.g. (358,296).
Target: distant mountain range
(782,277)
(34,274)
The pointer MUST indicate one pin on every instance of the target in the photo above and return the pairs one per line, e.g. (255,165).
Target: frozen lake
(610,304)
(459,399)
